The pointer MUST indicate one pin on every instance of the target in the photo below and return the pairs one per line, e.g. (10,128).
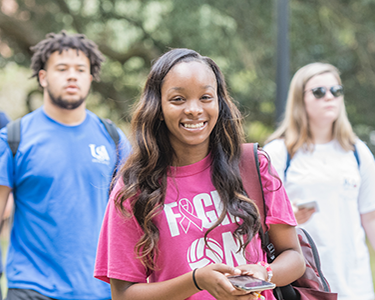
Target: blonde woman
(329,175)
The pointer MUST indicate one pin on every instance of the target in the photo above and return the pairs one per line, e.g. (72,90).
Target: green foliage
(239,35)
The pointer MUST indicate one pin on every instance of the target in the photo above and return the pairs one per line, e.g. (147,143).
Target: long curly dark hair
(145,172)
(62,41)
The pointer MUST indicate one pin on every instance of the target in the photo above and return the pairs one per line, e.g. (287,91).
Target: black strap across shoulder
(14,135)
(112,130)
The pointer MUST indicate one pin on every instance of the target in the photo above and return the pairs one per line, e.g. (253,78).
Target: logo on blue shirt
(99,154)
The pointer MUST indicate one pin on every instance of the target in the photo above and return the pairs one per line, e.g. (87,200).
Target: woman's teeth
(198,125)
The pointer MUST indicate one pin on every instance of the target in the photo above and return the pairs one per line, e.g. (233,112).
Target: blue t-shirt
(4,119)
(60,178)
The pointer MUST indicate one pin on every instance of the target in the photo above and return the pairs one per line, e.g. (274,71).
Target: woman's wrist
(268,269)
(195,280)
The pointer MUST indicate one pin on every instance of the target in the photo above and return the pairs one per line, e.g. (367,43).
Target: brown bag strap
(252,183)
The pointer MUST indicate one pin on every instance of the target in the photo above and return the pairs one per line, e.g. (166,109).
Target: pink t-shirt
(189,211)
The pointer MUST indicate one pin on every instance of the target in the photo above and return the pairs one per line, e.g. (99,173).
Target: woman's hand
(303,215)
(213,278)
(254,270)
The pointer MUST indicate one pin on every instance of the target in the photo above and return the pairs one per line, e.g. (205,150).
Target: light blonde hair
(295,129)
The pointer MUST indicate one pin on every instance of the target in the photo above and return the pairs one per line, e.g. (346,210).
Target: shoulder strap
(252,183)
(356,155)
(288,159)
(14,135)
(251,180)
(112,130)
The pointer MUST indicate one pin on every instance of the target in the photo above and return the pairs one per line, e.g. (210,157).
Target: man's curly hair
(62,41)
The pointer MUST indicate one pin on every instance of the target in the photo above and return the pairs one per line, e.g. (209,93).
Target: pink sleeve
(115,256)
(279,209)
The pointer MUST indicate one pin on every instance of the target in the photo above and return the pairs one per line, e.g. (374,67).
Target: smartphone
(250,284)
(308,205)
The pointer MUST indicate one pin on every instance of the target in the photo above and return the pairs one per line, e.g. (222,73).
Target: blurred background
(242,36)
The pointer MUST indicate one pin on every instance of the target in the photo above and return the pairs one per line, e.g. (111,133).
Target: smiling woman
(190,109)
(181,192)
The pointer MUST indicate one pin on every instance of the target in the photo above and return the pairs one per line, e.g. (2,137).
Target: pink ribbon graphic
(186,209)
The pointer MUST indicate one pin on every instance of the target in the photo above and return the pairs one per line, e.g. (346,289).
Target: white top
(343,191)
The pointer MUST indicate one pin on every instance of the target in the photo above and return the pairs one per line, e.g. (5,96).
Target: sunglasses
(320,92)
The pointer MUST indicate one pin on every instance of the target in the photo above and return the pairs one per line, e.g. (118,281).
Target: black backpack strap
(14,135)
(112,130)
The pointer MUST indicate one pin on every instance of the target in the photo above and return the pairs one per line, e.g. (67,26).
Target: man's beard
(60,102)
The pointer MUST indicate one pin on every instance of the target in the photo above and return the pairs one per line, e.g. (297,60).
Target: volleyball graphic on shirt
(200,255)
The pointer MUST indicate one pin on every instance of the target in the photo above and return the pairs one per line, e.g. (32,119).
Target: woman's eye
(177,99)
(206,97)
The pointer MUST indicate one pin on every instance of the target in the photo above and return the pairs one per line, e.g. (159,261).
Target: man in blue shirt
(60,178)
